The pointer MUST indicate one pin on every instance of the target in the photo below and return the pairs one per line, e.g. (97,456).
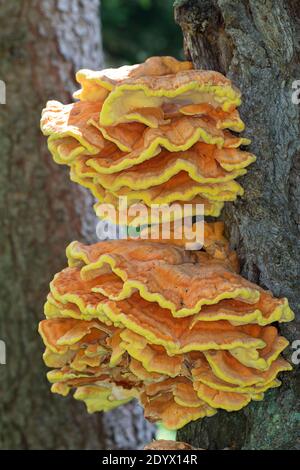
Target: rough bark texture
(42,44)
(126,427)
(256,44)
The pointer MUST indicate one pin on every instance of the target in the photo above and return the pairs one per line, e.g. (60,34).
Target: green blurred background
(133,30)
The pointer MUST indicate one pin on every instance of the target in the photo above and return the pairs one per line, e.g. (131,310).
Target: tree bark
(256,44)
(126,428)
(41,212)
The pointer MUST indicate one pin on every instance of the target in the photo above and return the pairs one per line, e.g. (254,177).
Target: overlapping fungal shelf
(158,132)
(179,330)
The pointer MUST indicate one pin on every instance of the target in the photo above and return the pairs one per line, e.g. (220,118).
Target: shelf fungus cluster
(156,133)
(179,330)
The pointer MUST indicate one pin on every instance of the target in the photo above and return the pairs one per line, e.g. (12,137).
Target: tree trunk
(126,427)
(41,47)
(256,44)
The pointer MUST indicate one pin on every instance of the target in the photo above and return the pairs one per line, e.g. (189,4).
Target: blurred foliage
(136,29)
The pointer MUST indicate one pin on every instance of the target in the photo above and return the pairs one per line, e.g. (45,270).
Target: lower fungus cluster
(180,331)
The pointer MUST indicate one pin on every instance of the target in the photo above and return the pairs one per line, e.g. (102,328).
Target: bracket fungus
(182,331)
(157,133)
(202,341)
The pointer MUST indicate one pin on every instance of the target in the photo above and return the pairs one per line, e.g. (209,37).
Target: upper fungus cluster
(158,132)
